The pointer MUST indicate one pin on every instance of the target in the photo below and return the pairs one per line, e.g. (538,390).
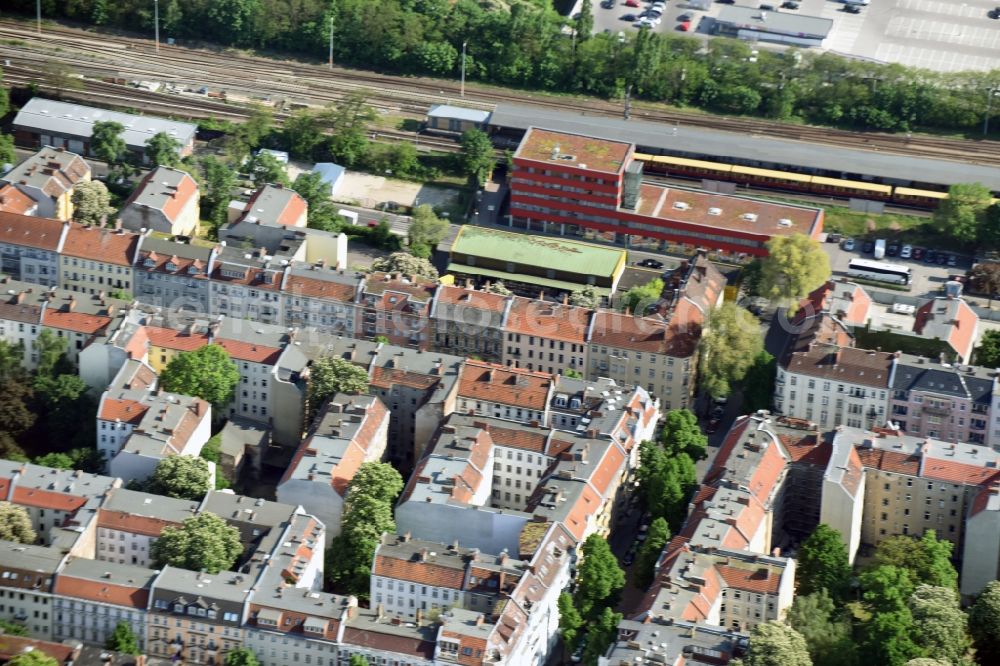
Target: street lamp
(331,42)
(38,14)
(464,44)
(989,107)
(156,23)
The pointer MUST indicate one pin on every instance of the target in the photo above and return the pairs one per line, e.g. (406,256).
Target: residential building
(30,247)
(173,274)
(470,323)
(246,285)
(164,201)
(548,337)
(26,575)
(274,240)
(49,178)
(276,204)
(90,599)
(129,522)
(45,122)
(321,298)
(951,320)
(582,186)
(80,319)
(242,444)
(397,308)
(13,200)
(348,432)
(98,260)
(488,389)
(528,264)
(666,640)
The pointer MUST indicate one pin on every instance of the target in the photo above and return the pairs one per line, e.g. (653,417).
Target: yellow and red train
(790,181)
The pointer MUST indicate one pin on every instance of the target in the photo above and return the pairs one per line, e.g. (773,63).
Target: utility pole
(38,13)
(156,23)
(464,44)
(628,102)
(989,107)
(331,42)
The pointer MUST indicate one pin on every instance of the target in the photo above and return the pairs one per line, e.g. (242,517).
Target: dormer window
(574,403)
(171,266)
(192,270)
(149,262)
(560,401)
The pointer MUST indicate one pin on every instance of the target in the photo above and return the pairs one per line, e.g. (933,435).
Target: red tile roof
(760,581)
(78,322)
(105,245)
(389,377)
(37,232)
(179,196)
(424,573)
(133,523)
(517,438)
(13,200)
(126,411)
(168,338)
(246,351)
(119,595)
(511,386)
(309,287)
(951,471)
(623,331)
(548,320)
(889,461)
(47,499)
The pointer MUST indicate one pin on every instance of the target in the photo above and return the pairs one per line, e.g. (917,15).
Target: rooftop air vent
(749,217)
(681,205)
(715,211)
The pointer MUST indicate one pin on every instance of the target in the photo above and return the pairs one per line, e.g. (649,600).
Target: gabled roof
(12,200)
(274,204)
(950,320)
(552,321)
(646,334)
(164,189)
(40,233)
(54,171)
(106,245)
(511,386)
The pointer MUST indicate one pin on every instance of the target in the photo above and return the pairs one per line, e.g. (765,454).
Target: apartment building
(281,242)
(321,298)
(80,319)
(174,275)
(276,205)
(660,639)
(26,575)
(129,522)
(469,322)
(348,432)
(518,394)
(165,201)
(49,178)
(13,200)
(95,259)
(246,285)
(547,337)
(90,598)
(30,248)
(951,320)
(397,308)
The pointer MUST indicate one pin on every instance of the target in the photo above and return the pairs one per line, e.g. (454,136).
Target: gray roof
(328,171)
(269,203)
(63,118)
(336,429)
(248,510)
(168,248)
(239,433)
(178,585)
(27,557)
(795,24)
(458,113)
(139,503)
(126,575)
(913,374)
(51,169)
(677,641)
(279,241)
(159,187)
(748,149)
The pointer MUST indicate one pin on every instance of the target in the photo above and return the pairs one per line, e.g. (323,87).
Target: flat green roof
(542,251)
(523,277)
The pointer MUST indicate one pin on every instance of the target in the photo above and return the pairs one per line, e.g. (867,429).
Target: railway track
(316,85)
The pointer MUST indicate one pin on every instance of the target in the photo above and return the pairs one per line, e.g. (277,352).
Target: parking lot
(928,279)
(612,20)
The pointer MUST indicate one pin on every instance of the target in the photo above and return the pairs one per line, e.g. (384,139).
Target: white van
(880,248)
(864,3)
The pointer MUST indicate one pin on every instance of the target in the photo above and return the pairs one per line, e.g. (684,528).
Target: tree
(378,481)
(92,203)
(32,658)
(405,263)
(794,267)
(984,624)
(988,351)
(211,450)
(569,621)
(665,482)
(208,373)
(183,477)
(498,287)
(217,181)
(252,131)
(888,634)
(584,23)
(7,154)
(823,563)
(204,541)
(640,298)
(358,660)
(943,627)
(123,640)
(12,628)
(478,156)
(602,633)
(330,375)
(15,524)
(729,344)
(827,635)
(989,231)
(758,385)
(163,150)
(649,552)
(927,559)
(302,134)
(585,297)
(599,579)
(426,231)
(961,215)
(241,656)
(266,168)
(106,142)
(50,349)
(682,434)
(776,644)
(985,278)
(55,460)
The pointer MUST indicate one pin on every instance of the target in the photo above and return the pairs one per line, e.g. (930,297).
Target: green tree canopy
(330,375)
(123,640)
(267,169)
(599,579)
(827,632)
(984,624)
(682,434)
(758,385)
(216,180)
(649,552)
(641,297)
(241,656)
(585,297)
(358,660)
(15,524)
(407,264)
(927,559)
(942,627)
(204,541)
(729,345)
(794,267)
(183,477)
(602,633)
(163,150)
(776,644)
(478,156)
(92,203)
(888,635)
(56,460)
(208,373)
(569,621)
(106,141)
(988,351)
(823,563)
(33,658)
(7,154)
(665,482)
(255,129)
(964,211)
(426,231)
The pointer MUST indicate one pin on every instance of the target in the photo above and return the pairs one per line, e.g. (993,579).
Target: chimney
(541,295)
(479,620)
(565,298)
(423,554)
(420,616)
(72,305)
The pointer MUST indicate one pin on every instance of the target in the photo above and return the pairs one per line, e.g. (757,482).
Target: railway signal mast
(38,13)
(331,42)
(156,23)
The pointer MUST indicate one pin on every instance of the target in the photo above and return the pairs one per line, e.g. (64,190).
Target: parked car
(789,5)
(942,259)
(834,237)
(651,263)
(628,559)
(767,8)
(931,256)
(632,3)
(685,26)
(848,244)
(994,13)
(952,260)
(868,247)
(684,17)
(893,249)
(906,252)
(608,4)
(726,2)
(629,17)
(918,253)
(852,9)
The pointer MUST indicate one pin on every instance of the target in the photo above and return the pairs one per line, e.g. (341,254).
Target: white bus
(880,271)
